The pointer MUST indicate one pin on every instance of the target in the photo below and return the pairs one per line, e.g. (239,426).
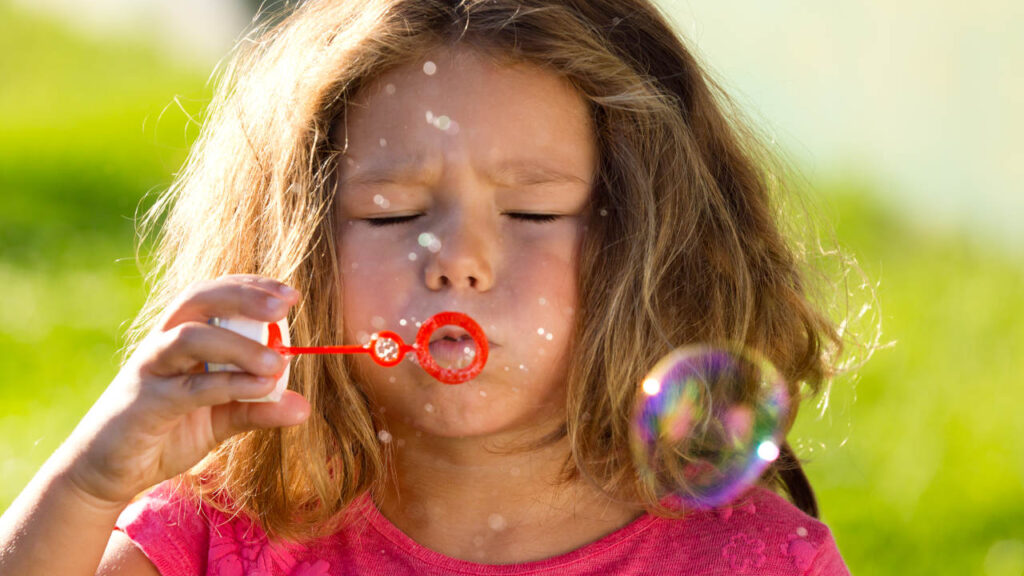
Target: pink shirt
(761,533)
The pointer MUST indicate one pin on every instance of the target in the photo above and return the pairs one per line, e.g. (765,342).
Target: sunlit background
(905,118)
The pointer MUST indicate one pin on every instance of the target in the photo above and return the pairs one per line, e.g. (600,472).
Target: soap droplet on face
(442,122)
(429,68)
(428,407)
(383,143)
(362,338)
(483,394)
(540,331)
(603,212)
(412,256)
(389,89)
(478,541)
(801,532)
(549,336)
(384,436)
(429,241)
(402,322)
(377,322)
(496,522)
(542,301)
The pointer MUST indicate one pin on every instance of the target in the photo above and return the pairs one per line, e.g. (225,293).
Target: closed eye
(392,220)
(527,217)
(521,216)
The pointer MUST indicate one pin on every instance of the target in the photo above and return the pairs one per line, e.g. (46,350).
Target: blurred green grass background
(918,461)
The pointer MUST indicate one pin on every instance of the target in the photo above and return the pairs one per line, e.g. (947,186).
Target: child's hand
(163,412)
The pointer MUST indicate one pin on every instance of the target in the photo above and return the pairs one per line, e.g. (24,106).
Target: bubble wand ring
(426,360)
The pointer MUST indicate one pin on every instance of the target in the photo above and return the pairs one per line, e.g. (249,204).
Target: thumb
(235,417)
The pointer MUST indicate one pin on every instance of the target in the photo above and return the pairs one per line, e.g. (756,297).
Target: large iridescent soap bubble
(707,423)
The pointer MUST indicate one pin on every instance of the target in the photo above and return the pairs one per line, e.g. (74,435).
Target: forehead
(457,103)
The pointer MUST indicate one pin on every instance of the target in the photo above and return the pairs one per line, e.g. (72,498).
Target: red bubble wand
(388,349)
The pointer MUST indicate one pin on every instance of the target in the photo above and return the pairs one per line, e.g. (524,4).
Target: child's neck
(464,501)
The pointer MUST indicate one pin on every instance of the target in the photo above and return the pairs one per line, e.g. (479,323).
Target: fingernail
(270,359)
(287,291)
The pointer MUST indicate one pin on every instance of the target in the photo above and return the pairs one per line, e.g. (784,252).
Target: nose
(466,257)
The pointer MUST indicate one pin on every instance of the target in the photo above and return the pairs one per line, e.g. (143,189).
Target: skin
(502,159)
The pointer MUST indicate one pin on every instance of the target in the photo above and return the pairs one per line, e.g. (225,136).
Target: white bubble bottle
(259,331)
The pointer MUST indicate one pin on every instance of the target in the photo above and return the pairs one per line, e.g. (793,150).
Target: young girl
(560,170)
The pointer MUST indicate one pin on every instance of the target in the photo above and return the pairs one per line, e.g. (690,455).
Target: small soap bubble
(362,337)
(384,436)
(430,242)
(412,256)
(443,122)
(542,301)
(377,322)
(707,423)
(496,522)
(430,117)
(402,322)
(428,407)
(603,212)
(389,89)
(483,394)
(391,379)
(429,68)
(540,331)
(549,336)
(383,143)
(801,532)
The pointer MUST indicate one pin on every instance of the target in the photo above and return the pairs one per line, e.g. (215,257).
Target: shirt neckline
(436,559)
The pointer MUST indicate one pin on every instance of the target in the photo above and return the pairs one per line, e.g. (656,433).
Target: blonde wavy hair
(688,246)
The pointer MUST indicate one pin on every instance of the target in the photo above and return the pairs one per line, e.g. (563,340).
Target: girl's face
(464,188)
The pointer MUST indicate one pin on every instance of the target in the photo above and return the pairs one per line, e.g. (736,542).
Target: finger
(251,296)
(192,344)
(230,419)
(216,388)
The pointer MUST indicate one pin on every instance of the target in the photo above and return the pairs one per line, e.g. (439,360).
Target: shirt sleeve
(828,561)
(169,529)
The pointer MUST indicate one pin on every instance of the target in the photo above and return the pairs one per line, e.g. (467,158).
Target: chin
(461,411)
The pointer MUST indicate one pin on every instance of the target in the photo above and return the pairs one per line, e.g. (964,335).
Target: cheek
(366,265)
(546,284)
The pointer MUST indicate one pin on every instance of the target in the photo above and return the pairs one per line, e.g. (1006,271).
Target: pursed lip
(457,334)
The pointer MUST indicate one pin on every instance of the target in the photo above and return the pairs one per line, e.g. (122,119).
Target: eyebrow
(415,171)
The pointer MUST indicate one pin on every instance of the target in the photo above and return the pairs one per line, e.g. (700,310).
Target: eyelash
(537,218)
